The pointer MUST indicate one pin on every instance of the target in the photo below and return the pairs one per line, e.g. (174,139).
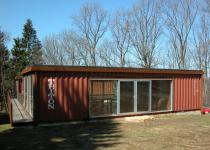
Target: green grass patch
(5,127)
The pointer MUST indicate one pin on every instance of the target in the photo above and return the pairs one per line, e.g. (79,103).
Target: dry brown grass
(165,132)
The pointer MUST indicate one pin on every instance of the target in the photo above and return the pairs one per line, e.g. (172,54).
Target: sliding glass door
(126,96)
(161,95)
(143,96)
(113,97)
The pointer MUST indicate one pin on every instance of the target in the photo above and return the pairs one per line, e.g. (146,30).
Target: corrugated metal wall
(70,97)
(187,93)
(187,89)
(71,92)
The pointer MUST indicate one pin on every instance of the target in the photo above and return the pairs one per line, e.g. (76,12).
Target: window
(126,96)
(28,94)
(143,95)
(32,95)
(25,91)
(103,97)
(108,97)
(161,95)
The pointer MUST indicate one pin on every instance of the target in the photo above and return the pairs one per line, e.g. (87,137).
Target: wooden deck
(19,115)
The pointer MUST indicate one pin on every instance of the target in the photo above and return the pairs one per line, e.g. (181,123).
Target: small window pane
(143,96)
(103,97)
(126,96)
(161,95)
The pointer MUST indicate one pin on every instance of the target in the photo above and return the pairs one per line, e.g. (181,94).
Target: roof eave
(106,69)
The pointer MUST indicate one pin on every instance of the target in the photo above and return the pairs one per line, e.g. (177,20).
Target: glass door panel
(143,95)
(126,96)
(161,95)
(103,97)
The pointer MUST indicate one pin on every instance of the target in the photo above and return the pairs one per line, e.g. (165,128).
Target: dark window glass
(126,96)
(161,95)
(143,96)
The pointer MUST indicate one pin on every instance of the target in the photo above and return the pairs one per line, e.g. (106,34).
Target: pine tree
(31,44)
(20,57)
(4,56)
(26,50)
(18,62)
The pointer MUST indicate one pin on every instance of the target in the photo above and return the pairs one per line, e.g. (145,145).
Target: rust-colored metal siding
(71,91)
(187,88)
(70,95)
(187,92)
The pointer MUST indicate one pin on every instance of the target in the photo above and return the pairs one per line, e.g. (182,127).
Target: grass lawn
(164,132)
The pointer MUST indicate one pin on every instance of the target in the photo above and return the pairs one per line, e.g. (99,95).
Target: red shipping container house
(66,93)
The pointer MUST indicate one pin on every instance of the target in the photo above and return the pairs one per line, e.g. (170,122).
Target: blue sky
(48,16)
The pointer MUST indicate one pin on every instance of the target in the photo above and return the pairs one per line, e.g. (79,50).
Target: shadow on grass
(4,118)
(90,135)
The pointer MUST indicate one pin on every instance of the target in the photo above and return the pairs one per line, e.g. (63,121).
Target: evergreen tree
(4,56)
(18,61)
(20,57)
(26,50)
(31,44)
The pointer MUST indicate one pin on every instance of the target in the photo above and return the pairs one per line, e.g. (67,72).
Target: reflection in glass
(161,95)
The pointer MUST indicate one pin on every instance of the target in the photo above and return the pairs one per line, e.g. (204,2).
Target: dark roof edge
(107,69)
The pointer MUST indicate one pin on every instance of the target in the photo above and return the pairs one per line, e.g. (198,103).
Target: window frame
(89,96)
(28,94)
(170,96)
(135,96)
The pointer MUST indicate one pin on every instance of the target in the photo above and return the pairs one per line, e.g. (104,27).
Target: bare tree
(120,28)
(68,40)
(65,48)
(92,22)
(201,53)
(202,43)
(207,6)
(53,52)
(180,17)
(146,31)
(73,45)
(107,54)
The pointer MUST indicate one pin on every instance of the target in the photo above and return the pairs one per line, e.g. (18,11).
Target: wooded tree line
(150,34)
(26,51)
